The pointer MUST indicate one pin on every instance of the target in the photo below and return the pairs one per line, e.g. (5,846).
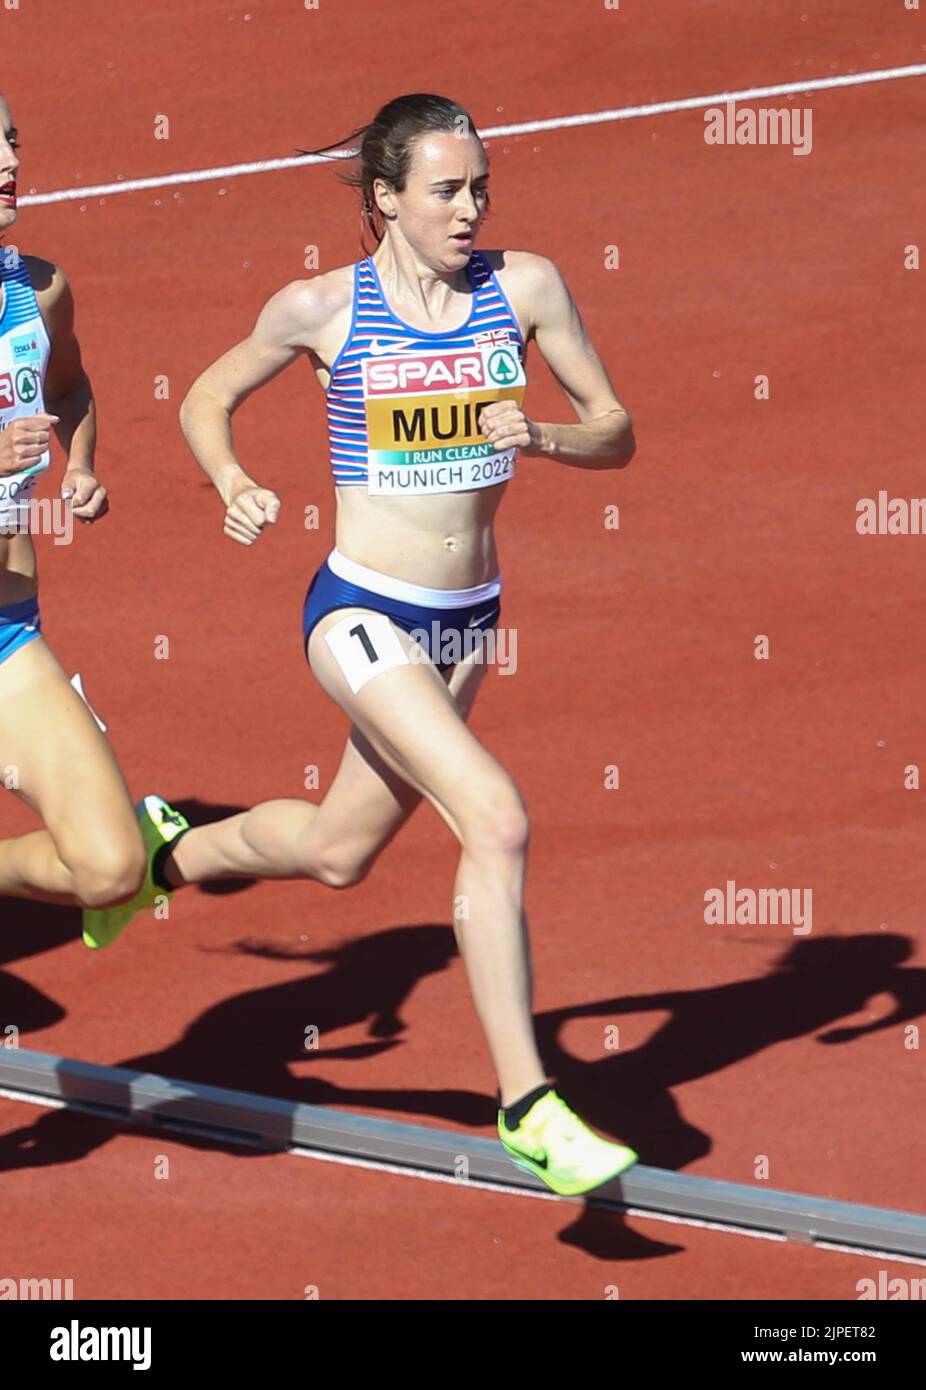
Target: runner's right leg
(362,811)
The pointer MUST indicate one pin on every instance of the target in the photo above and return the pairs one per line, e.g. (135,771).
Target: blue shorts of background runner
(19,624)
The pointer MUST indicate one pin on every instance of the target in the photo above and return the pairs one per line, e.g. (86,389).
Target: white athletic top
(24,351)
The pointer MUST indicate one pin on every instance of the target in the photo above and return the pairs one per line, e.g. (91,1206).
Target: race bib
(422,415)
(16,490)
(20,395)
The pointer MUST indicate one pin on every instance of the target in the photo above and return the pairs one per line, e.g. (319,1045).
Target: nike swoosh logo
(378,349)
(476,621)
(543,1162)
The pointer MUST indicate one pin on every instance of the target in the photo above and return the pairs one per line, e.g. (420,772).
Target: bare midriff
(18,576)
(441,542)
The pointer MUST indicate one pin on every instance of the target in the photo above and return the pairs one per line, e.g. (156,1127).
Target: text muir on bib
(422,416)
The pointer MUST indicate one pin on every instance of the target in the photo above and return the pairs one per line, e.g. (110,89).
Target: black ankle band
(160,857)
(514,1114)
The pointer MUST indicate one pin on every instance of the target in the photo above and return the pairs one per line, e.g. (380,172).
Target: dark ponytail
(386,147)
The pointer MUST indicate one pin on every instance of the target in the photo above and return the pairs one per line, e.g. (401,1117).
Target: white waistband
(410,593)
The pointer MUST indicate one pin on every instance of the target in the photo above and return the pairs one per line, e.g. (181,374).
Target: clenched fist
(249,511)
(505,426)
(86,494)
(24,441)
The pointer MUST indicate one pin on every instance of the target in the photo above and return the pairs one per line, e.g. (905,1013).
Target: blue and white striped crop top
(404,405)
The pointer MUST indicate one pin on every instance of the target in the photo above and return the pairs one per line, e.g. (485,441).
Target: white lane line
(620,113)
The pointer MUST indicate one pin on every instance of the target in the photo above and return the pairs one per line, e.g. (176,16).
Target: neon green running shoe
(552,1142)
(159,824)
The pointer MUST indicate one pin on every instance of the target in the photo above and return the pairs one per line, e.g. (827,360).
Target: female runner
(420,349)
(52,751)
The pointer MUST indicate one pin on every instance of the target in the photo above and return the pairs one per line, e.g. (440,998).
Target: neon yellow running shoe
(552,1142)
(159,824)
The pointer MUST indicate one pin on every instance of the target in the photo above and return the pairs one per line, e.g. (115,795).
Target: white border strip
(620,113)
(185,1127)
(643,1213)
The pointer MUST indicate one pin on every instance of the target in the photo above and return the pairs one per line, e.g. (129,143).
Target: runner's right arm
(285,327)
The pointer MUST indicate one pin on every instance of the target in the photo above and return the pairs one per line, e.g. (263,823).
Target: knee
(336,862)
(107,877)
(339,870)
(498,825)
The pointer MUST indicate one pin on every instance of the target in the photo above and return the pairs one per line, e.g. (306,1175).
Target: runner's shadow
(249,1042)
(24,1009)
(810,988)
(29,929)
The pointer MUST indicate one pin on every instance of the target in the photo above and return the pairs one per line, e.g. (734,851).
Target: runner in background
(92,850)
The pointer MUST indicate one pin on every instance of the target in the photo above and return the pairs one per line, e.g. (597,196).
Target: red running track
(636,648)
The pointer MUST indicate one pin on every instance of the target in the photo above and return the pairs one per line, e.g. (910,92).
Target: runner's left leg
(334,841)
(55,758)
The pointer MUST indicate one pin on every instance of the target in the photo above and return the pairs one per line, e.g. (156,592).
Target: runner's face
(443,203)
(9,163)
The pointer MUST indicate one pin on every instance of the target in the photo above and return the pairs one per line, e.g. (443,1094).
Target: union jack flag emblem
(494,335)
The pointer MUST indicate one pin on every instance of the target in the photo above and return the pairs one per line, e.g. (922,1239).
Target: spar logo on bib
(422,414)
(503,366)
(27,384)
(416,373)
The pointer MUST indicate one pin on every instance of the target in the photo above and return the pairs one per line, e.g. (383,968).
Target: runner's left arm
(604,438)
(69,395)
